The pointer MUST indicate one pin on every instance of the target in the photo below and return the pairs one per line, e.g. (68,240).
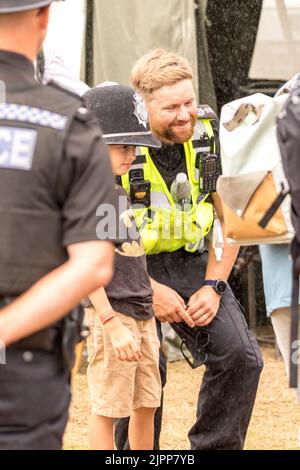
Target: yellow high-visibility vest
(162,226)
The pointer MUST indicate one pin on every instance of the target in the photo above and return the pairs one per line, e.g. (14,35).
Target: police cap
(122,115)
(14,6)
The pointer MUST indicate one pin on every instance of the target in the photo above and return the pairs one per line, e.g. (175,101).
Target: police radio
(209,174)
(140,189)
(208,164)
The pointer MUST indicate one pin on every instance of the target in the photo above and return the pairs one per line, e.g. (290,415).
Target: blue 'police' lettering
(17,148)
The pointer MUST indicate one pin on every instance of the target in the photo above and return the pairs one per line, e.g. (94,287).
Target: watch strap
(210,282)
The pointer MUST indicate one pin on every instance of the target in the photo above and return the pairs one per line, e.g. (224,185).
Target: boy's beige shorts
(117,387)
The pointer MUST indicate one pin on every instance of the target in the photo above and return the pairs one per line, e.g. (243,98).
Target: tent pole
(89,43)
(206,86)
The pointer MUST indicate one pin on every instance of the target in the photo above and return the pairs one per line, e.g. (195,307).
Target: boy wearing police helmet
(52,161)
(122,321)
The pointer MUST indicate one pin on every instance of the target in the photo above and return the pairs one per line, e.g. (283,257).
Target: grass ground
(274,425)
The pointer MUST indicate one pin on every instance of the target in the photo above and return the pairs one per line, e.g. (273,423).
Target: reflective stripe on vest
(160,200)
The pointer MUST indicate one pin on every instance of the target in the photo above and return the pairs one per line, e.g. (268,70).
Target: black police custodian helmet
(14,6)
(122,115)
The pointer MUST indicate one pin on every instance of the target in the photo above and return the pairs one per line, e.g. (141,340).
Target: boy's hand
(123,343)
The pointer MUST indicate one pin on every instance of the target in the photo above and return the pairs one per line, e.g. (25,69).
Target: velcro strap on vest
(139,160)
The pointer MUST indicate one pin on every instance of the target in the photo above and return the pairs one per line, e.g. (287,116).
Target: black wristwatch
(218,285)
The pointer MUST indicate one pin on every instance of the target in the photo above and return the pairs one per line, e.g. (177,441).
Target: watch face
(221,287)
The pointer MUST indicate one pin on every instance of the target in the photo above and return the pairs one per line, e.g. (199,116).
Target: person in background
(277,281)
(51,66)
(277,273)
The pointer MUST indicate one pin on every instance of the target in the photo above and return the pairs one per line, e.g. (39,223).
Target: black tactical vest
(34,123)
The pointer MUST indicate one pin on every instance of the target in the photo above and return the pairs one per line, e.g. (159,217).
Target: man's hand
(124,345)
(203,306)
(168,305)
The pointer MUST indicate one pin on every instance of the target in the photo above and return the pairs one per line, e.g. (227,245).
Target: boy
(123,373)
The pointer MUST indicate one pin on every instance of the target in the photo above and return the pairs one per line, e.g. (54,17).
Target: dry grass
(274,424)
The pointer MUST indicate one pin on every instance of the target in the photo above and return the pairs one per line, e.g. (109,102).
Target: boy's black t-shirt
(130,291)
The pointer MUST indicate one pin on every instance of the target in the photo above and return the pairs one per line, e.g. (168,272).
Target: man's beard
(167,135)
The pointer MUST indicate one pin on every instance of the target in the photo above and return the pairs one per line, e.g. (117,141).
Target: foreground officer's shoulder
(82,115)
(58,90)
(204,111)
(84,137)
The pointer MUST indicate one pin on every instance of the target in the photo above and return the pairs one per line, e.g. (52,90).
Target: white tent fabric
(63,45)
(125,30)
(277,50)
(65,33)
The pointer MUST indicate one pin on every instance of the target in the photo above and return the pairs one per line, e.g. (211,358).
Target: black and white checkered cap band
(40,117)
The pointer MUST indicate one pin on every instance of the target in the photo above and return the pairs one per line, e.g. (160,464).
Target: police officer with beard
(54,173)
(190,282)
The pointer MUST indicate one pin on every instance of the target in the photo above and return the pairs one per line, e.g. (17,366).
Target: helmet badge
(140,110)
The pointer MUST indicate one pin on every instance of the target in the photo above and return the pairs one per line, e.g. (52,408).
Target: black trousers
(227,394)
(34,400)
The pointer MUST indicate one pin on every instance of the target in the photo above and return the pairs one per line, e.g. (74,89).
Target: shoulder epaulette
(83,114)
(206,112)
(59,87)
